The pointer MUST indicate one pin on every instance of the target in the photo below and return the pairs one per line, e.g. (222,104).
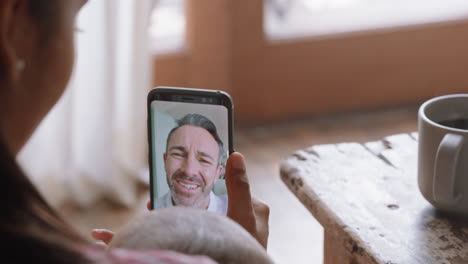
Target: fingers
(101,244)
(262,212)
(240,207)
(261,208)
(249,212)
(148,205)
(103,235)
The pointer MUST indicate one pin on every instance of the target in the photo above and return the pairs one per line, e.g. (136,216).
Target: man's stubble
(205,195)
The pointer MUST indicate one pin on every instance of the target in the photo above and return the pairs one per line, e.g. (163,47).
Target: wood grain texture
(366,198)
(333,250)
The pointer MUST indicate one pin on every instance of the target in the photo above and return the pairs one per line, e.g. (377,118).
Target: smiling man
(193,164)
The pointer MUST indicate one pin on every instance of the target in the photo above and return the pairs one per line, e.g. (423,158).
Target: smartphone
(190,136)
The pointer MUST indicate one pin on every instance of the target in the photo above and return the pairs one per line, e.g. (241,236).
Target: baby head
(191,231)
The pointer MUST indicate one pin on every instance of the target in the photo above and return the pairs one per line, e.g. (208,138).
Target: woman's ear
(12,15)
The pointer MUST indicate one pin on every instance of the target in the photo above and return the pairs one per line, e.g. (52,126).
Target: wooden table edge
(341,245)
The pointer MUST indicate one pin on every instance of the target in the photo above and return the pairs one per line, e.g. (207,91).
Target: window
(167,26)
(285,19)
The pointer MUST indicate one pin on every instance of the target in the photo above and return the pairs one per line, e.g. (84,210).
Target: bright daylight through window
(286,19)
(167,26)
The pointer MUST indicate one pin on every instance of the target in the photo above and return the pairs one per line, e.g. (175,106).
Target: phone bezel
(187,95)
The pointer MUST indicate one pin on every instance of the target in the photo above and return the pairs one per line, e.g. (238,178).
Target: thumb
(240,207)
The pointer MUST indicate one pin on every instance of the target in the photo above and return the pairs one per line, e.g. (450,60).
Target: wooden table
(367,199)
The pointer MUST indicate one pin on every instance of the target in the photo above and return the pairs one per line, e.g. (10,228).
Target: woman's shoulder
(150,256)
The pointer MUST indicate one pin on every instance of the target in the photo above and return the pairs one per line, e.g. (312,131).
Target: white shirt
(218,204)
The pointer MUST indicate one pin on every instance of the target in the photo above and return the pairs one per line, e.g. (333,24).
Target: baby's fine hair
(192,231)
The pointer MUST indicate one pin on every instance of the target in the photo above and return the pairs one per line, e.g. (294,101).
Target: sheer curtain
(92,145)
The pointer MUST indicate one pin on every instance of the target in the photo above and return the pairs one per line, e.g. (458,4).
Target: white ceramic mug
(443,152)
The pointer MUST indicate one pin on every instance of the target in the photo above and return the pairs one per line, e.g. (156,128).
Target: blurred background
(301,72)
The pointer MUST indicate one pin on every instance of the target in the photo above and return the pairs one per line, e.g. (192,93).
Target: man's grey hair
(198,120)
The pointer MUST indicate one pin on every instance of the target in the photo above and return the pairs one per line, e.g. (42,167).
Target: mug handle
(445,169)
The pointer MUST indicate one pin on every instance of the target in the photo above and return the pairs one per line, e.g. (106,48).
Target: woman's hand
(102,236)
(247,211)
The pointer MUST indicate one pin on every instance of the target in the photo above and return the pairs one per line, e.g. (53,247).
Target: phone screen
(189,144)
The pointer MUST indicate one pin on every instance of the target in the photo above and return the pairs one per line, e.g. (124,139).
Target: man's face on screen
(191,164)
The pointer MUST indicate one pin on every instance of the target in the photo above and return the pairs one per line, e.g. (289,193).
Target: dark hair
(30,229)
(203,122)
(45,12)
